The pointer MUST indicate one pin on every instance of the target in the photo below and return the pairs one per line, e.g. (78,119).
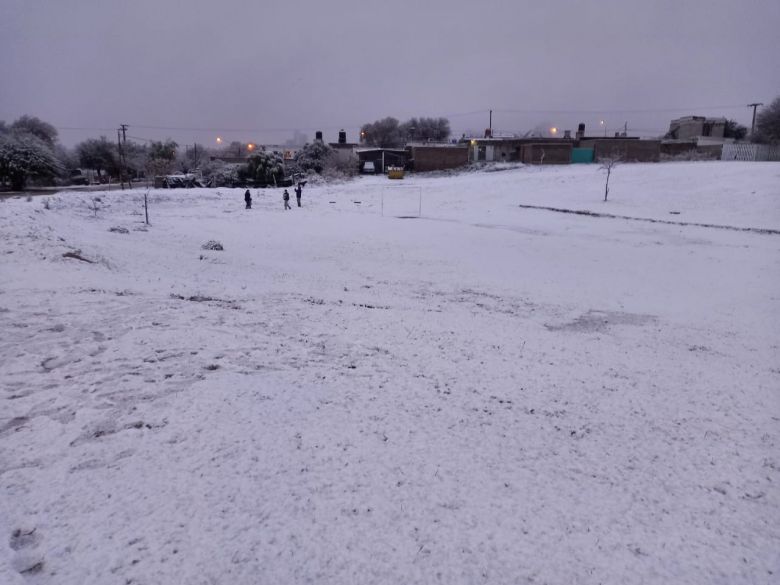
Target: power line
(140,138)
(448,115)
(81,128)
(607,111)
(227,130)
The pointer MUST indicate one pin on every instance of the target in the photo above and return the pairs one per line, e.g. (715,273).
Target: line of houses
(695,136)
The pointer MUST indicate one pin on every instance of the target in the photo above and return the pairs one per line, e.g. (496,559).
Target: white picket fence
(750,152)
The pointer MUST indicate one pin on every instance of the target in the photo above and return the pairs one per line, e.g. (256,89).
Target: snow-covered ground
(485,394)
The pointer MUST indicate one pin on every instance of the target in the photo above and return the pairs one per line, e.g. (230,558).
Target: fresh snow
(484,394)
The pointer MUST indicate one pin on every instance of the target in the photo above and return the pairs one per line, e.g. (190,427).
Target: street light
(219,140)
(605,127)
(553,131)
(250,147)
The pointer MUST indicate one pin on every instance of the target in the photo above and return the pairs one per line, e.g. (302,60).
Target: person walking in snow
(248,199)
(286,197)
(298,191)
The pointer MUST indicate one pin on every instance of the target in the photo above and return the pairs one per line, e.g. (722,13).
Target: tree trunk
(18,181)
(606,186)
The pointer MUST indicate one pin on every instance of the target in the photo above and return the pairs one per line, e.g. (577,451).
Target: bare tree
(607,164)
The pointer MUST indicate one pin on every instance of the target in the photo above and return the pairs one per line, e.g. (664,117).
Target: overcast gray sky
(256,70)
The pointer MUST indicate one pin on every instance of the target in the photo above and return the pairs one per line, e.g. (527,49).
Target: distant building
(510,149)
(380,159)
(546,153)
(491,149)
(345,151)
(694,127)
(552,150)
(628,149)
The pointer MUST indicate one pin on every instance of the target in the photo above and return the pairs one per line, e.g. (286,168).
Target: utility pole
(121,161)
(490,125)
(754,106)
(122,154)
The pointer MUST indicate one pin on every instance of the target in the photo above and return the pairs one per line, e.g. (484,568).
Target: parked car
(79,177)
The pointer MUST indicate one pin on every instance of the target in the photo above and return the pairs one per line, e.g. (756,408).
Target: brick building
(438,157)
(628,149)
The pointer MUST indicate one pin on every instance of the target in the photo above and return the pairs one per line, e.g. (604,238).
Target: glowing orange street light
(250,147)
(553,131)
(219,140)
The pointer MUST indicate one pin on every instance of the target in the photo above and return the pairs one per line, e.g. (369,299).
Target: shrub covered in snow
(213,245)
(220,174)
(25,156)
(265,168)
(314,157)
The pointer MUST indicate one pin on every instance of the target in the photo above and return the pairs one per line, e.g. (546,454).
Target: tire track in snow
(651,220)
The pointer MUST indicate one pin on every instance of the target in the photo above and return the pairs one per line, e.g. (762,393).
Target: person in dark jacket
(248,199)
(286,198)
(298,191)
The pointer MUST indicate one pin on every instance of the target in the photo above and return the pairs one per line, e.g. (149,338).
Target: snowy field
(485,394)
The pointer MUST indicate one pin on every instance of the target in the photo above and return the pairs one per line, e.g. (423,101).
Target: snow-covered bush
(24,157)
(314,157)
(340,169)
(265,168)
(213,245)
(220,174)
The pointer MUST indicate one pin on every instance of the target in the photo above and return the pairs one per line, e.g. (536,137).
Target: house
(381,158)
(695,136)
(437,157)
(550,152)
(629,149)
(526,149)
(689,127)
(495,149)
(345,151)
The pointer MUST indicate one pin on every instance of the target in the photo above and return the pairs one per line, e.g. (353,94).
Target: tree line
(390,133)
(30,152)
